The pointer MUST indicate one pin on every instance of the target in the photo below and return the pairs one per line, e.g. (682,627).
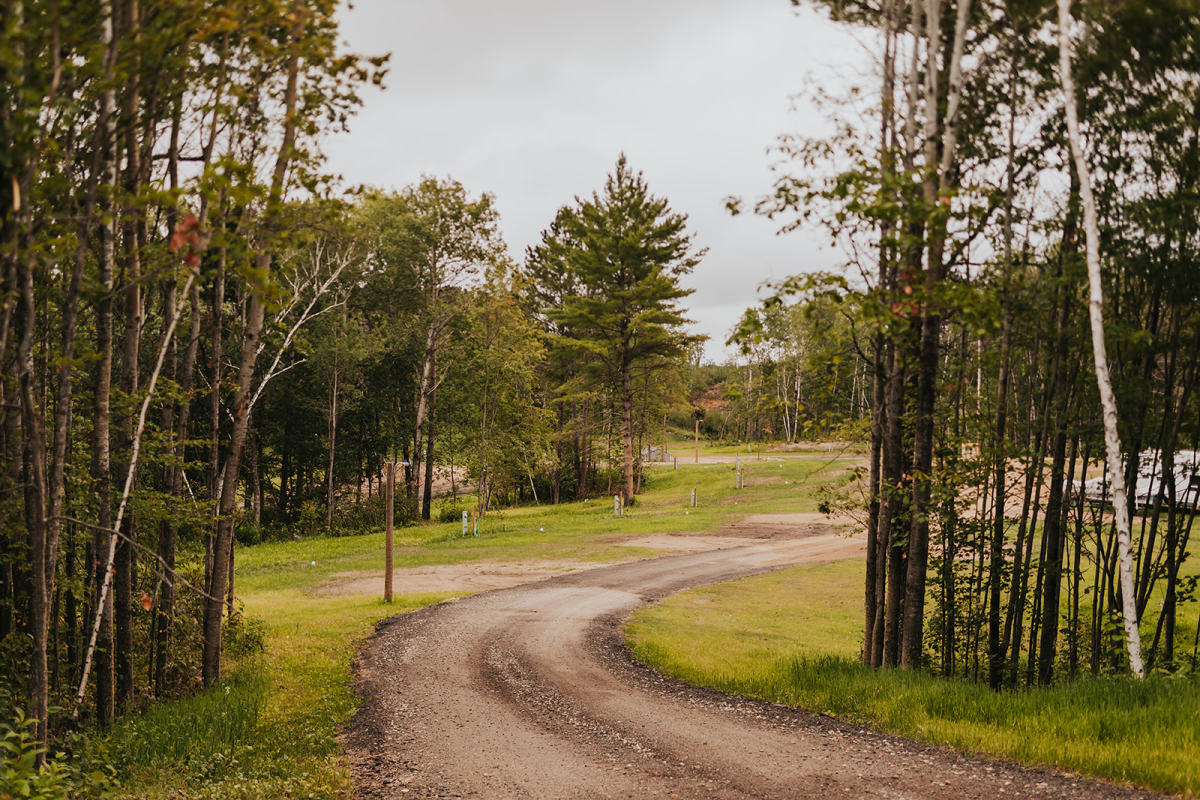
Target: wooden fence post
(388,520)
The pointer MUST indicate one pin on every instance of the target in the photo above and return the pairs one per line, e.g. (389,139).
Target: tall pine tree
(627,251)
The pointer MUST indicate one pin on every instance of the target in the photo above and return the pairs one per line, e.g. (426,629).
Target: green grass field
(269,730)
(793,636)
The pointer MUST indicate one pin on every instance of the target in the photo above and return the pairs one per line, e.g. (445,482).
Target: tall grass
(791,638)
(203,734)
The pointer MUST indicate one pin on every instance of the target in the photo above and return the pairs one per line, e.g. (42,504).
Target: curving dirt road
(528,692)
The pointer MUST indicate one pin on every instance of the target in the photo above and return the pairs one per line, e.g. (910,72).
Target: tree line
(205,340)
(1012,147)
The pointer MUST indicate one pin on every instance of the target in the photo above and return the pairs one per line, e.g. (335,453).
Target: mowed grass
(585,531)
(270,729)
(792,637)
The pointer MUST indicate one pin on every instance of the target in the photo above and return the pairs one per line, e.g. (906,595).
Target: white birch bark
(1108,401)
(130,474)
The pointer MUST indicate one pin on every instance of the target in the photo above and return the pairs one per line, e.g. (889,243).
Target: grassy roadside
(270,729)
(792,637)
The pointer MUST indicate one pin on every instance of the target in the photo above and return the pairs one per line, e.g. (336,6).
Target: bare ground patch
(479,576)
(482,576)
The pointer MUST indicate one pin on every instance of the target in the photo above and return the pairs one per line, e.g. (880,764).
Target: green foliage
(29,772)
(206,735)
(625,251)
(450,511)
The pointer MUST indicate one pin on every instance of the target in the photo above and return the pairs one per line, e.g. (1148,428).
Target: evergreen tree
(627,252)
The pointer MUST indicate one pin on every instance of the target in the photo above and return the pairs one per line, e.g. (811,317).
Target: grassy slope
(801,651)
(269,730)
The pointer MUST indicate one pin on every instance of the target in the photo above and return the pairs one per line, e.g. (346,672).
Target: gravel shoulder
(529,692)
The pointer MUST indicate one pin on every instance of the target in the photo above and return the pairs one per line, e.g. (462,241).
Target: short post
(693,498)
(388,520)
(475,522)
(616,505)
(464,522)
(675,461)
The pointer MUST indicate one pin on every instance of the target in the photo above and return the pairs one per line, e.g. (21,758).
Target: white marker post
(693,498)
(464,522)
(616,505)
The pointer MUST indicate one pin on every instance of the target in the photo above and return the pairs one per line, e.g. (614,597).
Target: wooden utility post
(389,494)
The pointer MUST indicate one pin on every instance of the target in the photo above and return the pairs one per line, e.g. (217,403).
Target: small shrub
(244,636)
(57,778)
(450,511)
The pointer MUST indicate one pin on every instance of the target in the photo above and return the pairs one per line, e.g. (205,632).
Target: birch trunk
(223,542)
(1108,400)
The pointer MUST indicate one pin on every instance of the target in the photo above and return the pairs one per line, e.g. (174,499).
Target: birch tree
(1108,401)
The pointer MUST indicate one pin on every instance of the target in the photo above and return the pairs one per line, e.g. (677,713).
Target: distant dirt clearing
(482,576)
(478,576)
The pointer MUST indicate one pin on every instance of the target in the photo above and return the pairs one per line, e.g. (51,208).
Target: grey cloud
(532,100)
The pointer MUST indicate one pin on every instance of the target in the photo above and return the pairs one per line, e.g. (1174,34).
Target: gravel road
(528,692)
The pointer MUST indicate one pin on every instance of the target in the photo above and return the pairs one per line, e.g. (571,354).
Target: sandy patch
(480,576)
(683,542)
(735,533)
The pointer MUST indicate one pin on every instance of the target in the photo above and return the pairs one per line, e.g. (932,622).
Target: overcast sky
(532,100)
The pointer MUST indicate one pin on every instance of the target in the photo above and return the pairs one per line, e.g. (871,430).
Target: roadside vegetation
(794,637)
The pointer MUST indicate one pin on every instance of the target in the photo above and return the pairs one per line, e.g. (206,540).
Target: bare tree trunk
(333,412)
(217,375)
(876,545)
(936,188)
(996,646)
(130,477)
(42,548)
(627,435)
(427,494)
(424,390)
(164,609)
(130,354)
(223,542)
(101,454)
(1108,400)
(893,516)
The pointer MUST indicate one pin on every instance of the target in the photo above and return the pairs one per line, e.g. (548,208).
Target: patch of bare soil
(465,578)
(482,576)
(749,526)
